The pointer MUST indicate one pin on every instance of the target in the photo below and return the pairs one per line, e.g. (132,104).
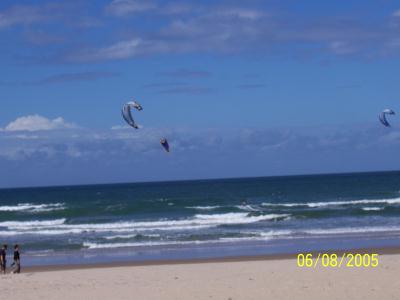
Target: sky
(239,88)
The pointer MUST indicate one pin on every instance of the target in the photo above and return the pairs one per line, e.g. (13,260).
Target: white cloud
(20,15)
(243,13)
(119,127)
(340,47)
(120,50)
(26,137)
(193,28)
(36,123)
(126,7)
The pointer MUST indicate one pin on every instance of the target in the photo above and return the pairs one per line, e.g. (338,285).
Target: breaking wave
(59,226)
(333,203)
(32,208)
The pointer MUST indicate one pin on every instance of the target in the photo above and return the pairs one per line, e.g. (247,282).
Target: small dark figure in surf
(17,260)
(3,261)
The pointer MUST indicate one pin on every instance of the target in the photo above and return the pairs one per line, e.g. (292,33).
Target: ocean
(201,219)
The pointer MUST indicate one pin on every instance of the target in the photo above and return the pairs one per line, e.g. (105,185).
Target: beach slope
(254,279)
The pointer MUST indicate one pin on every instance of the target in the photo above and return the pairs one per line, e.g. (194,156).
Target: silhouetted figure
(17,260)
(3,259)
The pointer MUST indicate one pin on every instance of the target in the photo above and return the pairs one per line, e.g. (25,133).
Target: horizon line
(198,179)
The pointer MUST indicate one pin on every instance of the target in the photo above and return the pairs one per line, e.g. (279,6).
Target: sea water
(204,218)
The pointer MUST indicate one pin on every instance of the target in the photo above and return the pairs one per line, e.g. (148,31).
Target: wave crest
(32,208)
(333,203)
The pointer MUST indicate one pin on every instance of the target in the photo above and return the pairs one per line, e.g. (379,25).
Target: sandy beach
(252,278)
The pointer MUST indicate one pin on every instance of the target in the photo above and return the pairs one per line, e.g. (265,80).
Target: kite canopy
(165,144)
(136,105)
(383,114)
(127,113)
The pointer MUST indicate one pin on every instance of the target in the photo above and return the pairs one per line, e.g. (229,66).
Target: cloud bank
(56,152)
(36,123)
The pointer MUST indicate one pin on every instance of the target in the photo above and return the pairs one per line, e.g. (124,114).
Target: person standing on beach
(17,261)
(3,261)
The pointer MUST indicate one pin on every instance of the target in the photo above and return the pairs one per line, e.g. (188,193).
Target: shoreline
(227,259)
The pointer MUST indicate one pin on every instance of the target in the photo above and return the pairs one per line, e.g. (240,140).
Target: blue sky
(239,89)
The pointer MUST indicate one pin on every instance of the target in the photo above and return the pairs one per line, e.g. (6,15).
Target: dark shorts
(17,267)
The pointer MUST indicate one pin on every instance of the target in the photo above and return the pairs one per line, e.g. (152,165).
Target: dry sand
(254,279)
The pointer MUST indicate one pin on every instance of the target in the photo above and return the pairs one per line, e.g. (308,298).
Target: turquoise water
(272,214)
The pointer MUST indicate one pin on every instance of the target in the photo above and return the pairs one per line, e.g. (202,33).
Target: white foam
(38,231)
(30,207)
(270,233)
(335,203)
(126,236)
(348,230)
(139,244)
(246,208)
(204,207)
(199,221)
(257,236)
(166,243)
(237,218)
(31,224)
(69,229)
(372,208)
